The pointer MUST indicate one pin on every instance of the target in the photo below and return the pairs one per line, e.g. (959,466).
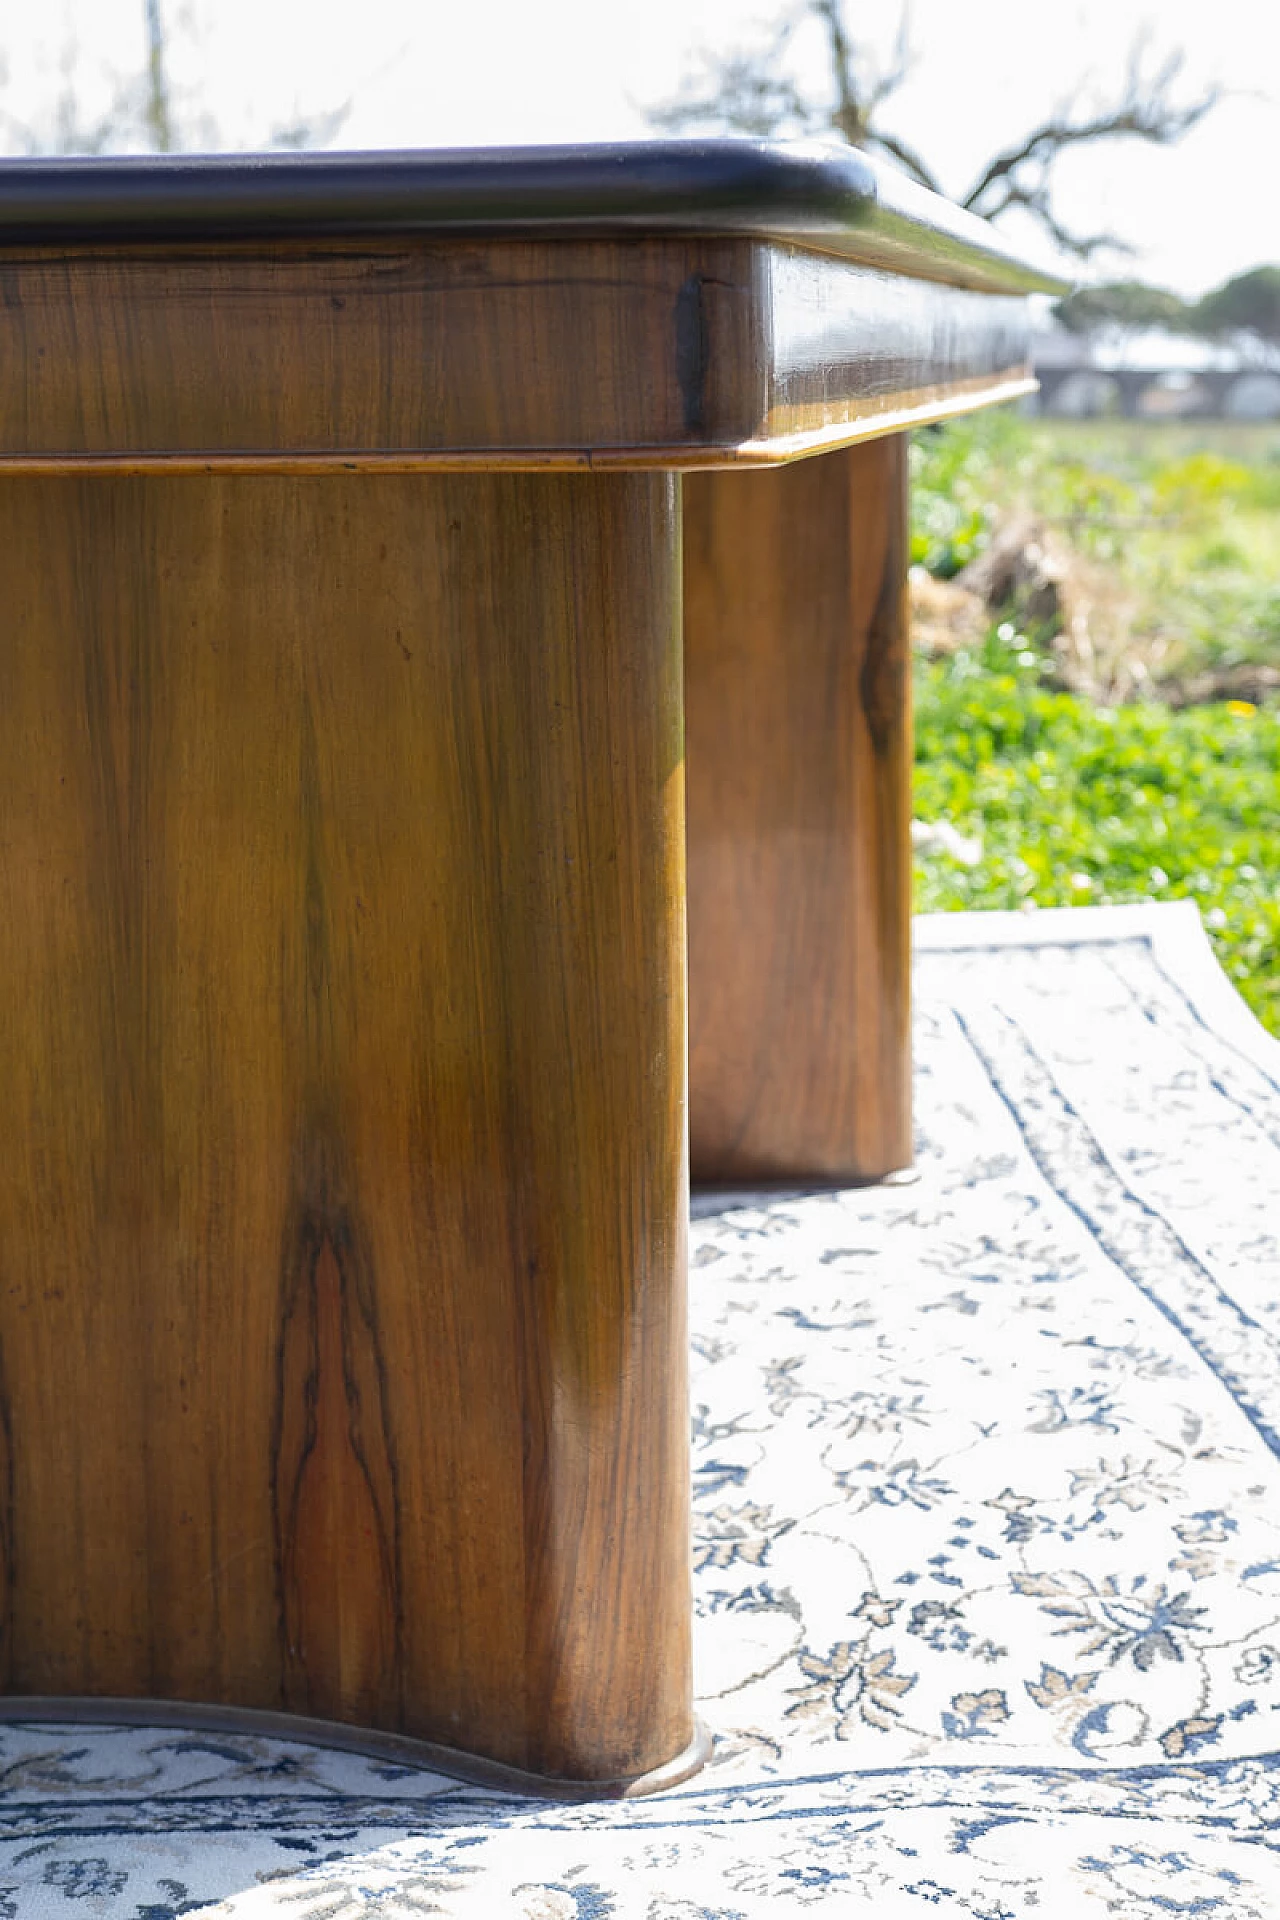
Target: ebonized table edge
(824,197)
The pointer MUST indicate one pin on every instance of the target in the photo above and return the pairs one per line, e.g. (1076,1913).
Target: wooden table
(342,889)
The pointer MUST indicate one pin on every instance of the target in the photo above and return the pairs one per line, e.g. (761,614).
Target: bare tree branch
(144,110)
(906,158)
(745,101)
(157,111)
(315,131)
(746,92)
(1145,111)
(1036,201)
(752,92)
(850,114)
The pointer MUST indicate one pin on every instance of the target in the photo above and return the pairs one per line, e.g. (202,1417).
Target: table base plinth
(341,1078)
(392,1748)
(798,723)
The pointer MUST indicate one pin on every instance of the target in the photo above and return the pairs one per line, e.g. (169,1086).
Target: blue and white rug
(987,1490)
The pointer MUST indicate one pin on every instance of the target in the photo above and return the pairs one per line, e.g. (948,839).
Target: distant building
(1152,375)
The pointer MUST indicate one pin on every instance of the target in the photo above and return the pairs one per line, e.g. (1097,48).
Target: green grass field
(1077,804)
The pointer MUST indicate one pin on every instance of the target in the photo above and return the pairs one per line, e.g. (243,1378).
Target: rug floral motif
(987,1532)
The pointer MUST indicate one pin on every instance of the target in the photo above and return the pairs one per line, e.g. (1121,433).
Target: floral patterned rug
(987,1499)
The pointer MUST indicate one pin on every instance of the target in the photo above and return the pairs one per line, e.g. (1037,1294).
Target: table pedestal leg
(342,1341)
(798,729)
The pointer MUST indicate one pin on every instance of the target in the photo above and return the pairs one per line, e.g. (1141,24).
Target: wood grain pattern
(673,352)
(391,350)
(341,1071)
(855,352)
(798,728)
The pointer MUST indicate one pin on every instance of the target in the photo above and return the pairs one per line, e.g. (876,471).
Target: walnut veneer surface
(797,681)
(342,1091)
(342,890)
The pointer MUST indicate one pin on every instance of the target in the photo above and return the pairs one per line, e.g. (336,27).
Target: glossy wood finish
(386,351)
(342,1043)
(342,1348)
(855,353)
(674,351)
(798,730)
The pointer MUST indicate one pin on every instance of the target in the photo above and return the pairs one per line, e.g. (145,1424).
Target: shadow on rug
(987,1528)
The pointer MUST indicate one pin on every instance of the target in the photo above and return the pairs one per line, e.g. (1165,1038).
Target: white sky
(498,72)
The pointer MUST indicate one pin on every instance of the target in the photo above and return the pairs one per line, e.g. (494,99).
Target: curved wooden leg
(342,1341)
(798,728)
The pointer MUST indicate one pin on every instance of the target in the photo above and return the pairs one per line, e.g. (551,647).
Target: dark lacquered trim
(473,1769)
(832,198)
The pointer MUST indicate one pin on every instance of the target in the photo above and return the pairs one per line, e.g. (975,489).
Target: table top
(669,303)
(827,198)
